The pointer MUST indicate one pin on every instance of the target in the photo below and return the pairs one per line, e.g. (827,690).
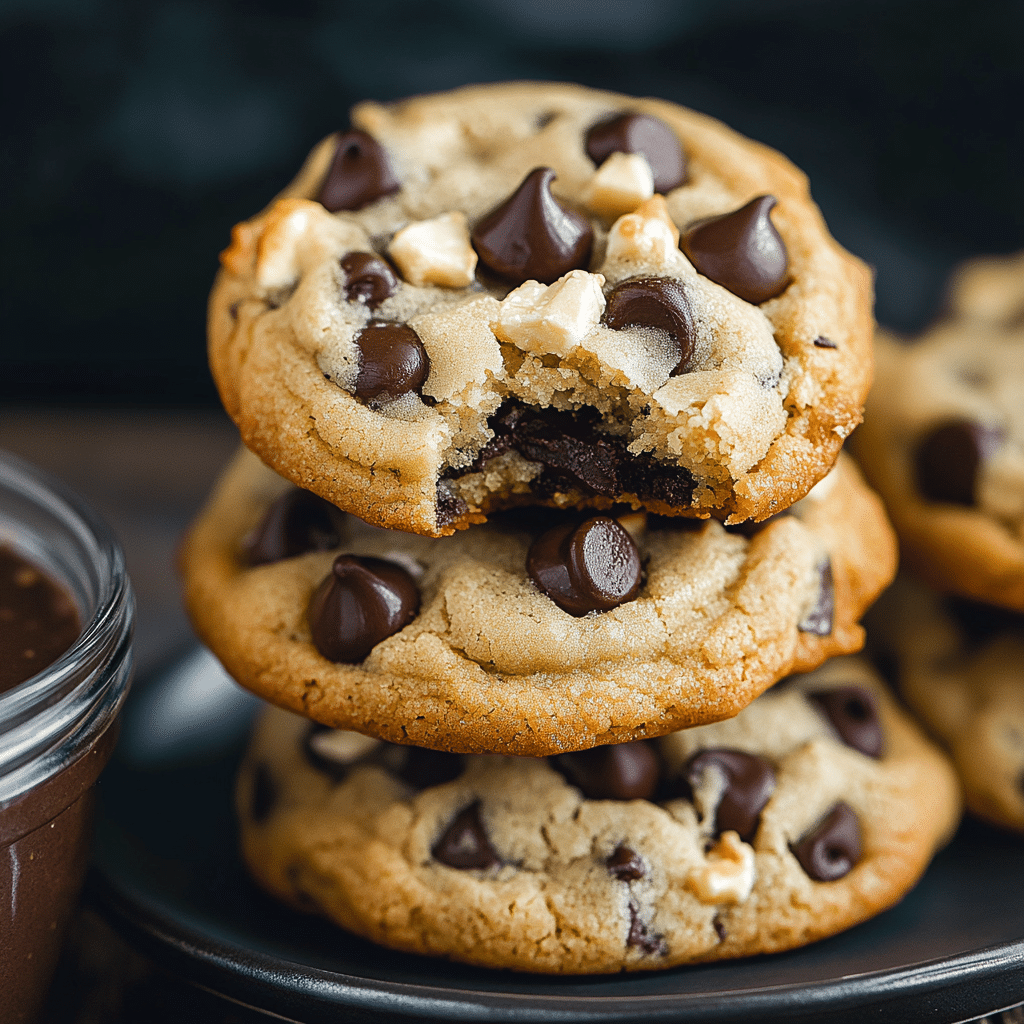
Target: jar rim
(54,716)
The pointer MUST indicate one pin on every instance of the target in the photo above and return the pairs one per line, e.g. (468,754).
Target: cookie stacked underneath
(597,356)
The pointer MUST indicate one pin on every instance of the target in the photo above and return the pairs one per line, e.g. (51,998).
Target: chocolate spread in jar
(38,620)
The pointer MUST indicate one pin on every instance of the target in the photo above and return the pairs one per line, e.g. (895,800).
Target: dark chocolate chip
(830,850)
(719,928)
(295,523)
(741,251)
(626,864)
(822,342)
(423,768)
(659,302)
(625,771)
(594,566)
(640,133)
(264,793)
(361,602)
(543,120)
(819,617)
(464,844)
(749,784)
(853,712)
(368,279)
(948,458)
(640,935)
(334,770)
(360,173)
(392,361)
(531,235)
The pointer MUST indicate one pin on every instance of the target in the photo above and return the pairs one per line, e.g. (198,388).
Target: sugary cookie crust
(969,367)
(492,664)
(969,694)
(360,851)
(758,424)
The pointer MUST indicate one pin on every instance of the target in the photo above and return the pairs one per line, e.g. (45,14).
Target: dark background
(136,133)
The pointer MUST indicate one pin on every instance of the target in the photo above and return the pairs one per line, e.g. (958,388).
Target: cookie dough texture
(757,422)
(359,851)
(970,367)
(960,667)
(491,664)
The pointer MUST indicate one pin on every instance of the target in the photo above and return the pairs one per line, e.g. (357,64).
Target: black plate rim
(972,984)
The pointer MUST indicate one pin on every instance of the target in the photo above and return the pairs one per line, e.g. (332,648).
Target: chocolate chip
(625,771)
(360,173)
(741,251)
(295,523)
(531,235)
(424,769)
(719,928)
(640,133)
(640,935)
(749,784)
(853,712)
(392,361)
(830,850)
(823,342)
(361,602)
(264,793)
(947,460)
(368,279)
(626,864)
(594,566)
(819,617)
(464,844)
(659,302)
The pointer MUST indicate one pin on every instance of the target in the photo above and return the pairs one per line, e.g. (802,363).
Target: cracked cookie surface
(960,666)
(508,238)
(750,836)
(944,438)
(490,662)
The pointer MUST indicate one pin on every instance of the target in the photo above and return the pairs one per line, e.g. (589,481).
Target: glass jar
(57,729)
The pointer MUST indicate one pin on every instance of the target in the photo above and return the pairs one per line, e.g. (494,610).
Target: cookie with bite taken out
(542,294)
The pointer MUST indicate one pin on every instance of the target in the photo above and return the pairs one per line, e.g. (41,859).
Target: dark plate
(167,873)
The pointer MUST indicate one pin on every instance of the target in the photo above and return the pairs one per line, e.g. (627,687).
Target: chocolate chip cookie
(542,294)
(539,632)
(960,666)
(944,439)
(815,808)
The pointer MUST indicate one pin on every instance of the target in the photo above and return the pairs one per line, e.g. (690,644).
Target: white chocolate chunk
(647,235)
(436,251)
(619,185)
(292,237)
(341,747)
(728,874)
(551,320)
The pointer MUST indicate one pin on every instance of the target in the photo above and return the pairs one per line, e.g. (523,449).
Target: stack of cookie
(944,444)
(543,391)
